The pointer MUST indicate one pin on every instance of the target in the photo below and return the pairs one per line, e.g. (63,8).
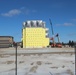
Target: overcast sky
(61,12)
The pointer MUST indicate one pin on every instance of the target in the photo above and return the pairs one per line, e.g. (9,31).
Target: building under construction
(34,34)
(6,41)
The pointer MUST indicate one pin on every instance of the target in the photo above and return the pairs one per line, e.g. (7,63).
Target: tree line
(70,43)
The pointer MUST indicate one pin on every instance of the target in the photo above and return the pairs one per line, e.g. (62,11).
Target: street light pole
(75,55)
(15,59)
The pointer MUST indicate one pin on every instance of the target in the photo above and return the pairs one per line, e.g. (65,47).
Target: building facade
(34,34)
(6,41)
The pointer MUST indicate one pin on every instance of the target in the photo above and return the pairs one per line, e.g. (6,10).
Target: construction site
(34,35)
(33,55)
(37,37)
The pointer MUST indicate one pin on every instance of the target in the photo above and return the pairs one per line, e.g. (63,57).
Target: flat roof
(7,36)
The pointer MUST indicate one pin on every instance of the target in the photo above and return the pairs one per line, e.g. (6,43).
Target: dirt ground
(46,61)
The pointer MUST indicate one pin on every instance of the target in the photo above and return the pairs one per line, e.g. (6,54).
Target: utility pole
(15,45)
(75,55)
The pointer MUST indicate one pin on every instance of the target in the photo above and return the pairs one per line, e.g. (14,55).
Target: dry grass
(39,62)
(54,67)
(21,62)
(63,66)
(70,72)
(33,69)
(32,63)
(3,56)
(67,72)
(10,62)
(48,63)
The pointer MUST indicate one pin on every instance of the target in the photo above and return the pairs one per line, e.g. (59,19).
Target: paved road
(36,50)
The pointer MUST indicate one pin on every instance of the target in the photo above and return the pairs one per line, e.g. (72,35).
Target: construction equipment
(52,31)
(59,45)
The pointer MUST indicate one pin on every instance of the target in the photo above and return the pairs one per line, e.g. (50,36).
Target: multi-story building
(6,41)
(34,34)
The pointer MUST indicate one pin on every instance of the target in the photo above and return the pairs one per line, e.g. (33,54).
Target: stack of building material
(6,41)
